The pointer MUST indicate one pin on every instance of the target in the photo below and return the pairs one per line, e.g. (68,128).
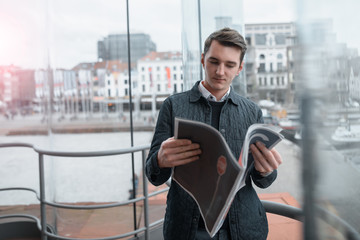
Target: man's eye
(213,62)
(230,66)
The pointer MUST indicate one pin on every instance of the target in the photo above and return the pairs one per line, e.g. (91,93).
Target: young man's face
(221,65)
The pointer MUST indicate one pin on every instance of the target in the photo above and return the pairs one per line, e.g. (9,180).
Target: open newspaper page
(214,179)
(267,134)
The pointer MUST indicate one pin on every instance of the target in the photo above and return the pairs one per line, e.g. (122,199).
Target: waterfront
(94,179)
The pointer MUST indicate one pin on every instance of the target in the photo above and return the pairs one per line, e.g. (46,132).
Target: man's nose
(220,69)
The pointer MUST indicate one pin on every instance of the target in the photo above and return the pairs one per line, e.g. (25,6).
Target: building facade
(160,73)
(266,60)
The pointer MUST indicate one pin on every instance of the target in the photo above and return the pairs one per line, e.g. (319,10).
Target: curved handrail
(336,222)
(75,153)
(35,219)
(128,234)
(298,214)
(283,210)
(22,189)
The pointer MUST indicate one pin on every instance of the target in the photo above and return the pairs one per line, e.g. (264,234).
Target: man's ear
(240,68)
(202,60)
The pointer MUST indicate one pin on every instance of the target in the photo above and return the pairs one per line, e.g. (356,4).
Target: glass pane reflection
(328,51)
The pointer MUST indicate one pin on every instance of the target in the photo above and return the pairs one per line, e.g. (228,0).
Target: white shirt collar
(206,94)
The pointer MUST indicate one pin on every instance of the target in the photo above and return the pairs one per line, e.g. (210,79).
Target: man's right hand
(175,152)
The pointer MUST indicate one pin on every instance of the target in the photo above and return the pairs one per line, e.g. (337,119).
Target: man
(214,102)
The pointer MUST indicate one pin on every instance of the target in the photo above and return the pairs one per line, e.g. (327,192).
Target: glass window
(260,39)
(248,40)
(261,68)
(280,39)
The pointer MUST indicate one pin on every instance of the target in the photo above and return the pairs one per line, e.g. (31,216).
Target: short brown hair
(227,37)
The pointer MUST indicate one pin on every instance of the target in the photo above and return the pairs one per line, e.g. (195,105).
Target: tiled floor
(116,221)
(282,228)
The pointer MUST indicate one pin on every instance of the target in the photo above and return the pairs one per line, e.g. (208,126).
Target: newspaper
(217,176)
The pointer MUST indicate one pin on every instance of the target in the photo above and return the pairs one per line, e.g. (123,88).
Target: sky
(63,33)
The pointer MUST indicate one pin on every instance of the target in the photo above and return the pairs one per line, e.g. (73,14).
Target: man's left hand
(265,160)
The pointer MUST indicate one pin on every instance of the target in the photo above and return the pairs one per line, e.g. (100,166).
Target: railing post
(134,190)
(146,195)
(42,197)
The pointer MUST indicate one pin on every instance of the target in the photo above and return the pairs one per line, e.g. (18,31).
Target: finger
(186,148)
(185,155)
(171,160)
(277,156)
(185,161)
(172,142)
(269,156)
(262,163)
(259,167)
(171,148)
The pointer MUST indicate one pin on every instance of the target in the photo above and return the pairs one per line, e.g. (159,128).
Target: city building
(114,47)
(17,88)
(104,84)
(70,90)
(339,64)
(354,79)
(160,73)
(26,88)
(11,90)
(117,79)
(266,60)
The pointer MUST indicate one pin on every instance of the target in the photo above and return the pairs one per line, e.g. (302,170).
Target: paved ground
(37,124)
(110,222)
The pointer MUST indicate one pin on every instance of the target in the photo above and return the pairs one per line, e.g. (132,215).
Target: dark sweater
(215,119)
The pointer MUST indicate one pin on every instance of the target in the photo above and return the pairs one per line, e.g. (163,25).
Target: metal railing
(270,207)
(42,224)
